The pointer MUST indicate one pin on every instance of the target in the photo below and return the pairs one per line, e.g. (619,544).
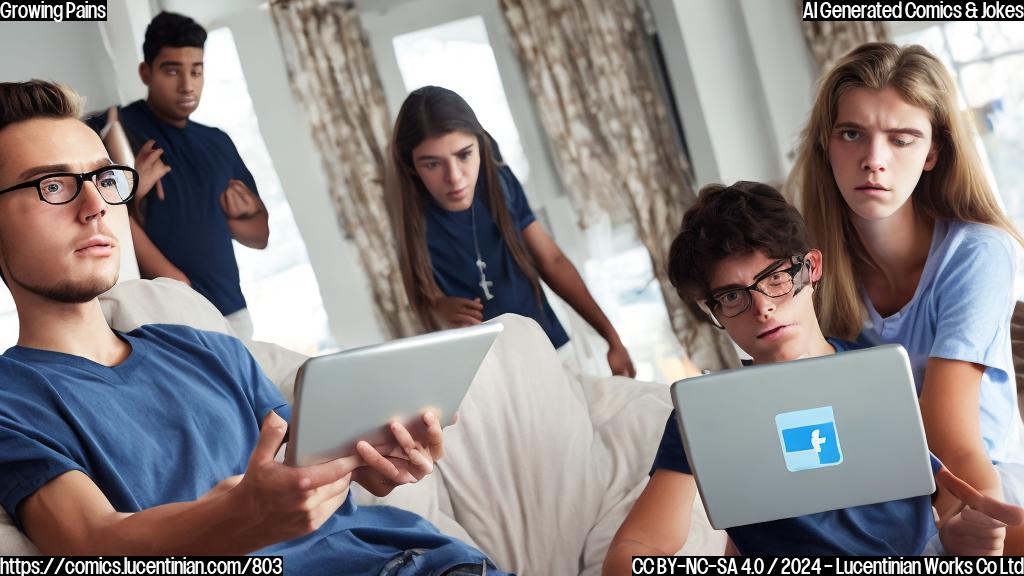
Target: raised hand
(151,169)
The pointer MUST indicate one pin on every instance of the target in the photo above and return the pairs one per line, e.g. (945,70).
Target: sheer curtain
(592,76)
(334,78)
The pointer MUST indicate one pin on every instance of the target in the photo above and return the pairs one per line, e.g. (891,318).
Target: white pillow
(134,303)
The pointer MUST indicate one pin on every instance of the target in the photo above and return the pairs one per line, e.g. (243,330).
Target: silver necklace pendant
(484,282)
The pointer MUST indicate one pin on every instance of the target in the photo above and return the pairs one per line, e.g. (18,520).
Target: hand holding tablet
(345,399)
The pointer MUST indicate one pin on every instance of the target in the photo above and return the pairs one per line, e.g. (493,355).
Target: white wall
(785,68)
(209,13)
(68,52)
(742,79)
(123,33)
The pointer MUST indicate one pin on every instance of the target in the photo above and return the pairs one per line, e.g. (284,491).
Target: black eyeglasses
(116,185)
(774,283)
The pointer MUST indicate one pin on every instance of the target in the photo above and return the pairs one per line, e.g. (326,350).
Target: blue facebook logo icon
(809,438)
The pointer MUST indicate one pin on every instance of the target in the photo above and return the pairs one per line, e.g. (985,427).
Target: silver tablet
(353,395)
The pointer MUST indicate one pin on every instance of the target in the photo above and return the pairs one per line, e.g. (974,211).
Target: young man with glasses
(135,443)
(203,196)
(744,257)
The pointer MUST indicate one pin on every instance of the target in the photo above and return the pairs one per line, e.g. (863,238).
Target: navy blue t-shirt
(453,256)
(181,413)
(900,527)
(189,226)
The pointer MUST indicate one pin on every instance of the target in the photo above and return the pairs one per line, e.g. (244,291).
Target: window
(986,60)
(618,273)
(278,282)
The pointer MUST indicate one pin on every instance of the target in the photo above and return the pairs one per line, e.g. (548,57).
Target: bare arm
(950,410)
(71,516)
(271,503)
(253,232)
(558,272)
(152,262)
(658,524)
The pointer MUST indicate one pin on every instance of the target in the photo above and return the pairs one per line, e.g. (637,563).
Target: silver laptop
(353,395)
(794,438)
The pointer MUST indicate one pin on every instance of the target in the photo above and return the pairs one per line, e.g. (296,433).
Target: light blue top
(961,311)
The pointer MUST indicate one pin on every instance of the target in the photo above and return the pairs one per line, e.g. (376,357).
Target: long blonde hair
(955,189)
(429,112)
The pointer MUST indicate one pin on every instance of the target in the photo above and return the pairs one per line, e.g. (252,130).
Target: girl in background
(469,246)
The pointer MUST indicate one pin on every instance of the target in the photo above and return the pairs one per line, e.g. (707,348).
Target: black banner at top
(52,10)
(825,10)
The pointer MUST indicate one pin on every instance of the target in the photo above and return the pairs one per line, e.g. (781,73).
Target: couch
(540,470)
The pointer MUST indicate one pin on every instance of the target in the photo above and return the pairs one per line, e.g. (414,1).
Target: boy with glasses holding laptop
(744,256)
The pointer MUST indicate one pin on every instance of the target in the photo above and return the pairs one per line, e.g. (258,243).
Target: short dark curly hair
(172,30)
(730,221)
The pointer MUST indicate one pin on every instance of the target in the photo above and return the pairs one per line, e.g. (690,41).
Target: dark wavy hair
(731,221)
(171,30)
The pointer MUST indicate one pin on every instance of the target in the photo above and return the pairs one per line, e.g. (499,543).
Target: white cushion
(134,303)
